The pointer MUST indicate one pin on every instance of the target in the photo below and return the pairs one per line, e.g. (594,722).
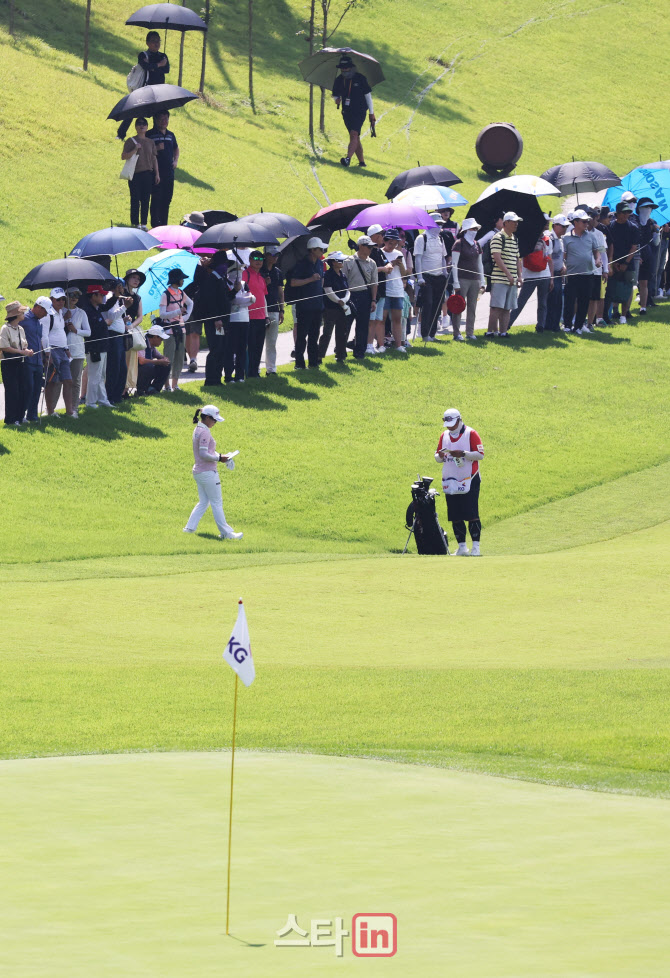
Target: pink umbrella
(176,236)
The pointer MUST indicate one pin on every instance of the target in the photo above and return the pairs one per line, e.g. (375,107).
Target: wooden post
(204,50)
(311,87)
(251,56)
(325,4)
(87,27)
(181,51)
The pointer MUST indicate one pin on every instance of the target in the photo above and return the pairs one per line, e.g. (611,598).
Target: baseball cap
(91,290)
(256,256)
(628,197)
(451,416)
(511,216)
(365,240)
(345,62)
(212,411)
(375,229)
(158,331)
(624,207)
(316,243)
(580,215)
(57,293)
(437,217)
(271,250)
(46,302)
(560,219)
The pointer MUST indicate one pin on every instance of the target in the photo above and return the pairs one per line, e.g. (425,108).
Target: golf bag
(422,519)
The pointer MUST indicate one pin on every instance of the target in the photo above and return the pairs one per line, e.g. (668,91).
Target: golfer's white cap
(580,216)
(560,219)
(158,331)
(451,416)
(212,411)
(375,229)
(511,216)
(316,243)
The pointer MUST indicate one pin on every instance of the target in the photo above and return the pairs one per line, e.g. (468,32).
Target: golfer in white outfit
(206,474)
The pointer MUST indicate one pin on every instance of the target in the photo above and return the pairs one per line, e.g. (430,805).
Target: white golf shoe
(231,536)
(462,550)
(475,552)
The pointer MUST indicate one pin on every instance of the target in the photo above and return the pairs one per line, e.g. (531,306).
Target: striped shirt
(507,246)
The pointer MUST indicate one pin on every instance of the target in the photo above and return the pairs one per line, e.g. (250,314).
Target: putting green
(115,865)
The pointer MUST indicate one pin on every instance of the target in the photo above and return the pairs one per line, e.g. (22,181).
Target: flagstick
(230,816)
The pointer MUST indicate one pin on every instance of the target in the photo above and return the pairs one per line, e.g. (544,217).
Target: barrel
(499,147)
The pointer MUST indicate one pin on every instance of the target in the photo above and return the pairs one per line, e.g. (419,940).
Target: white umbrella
(429,197)
(524,184)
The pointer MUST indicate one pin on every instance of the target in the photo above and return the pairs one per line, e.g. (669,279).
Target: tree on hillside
(87,28)
(325,38)
(204,48)
(11,17)
(181,50)
(251,56)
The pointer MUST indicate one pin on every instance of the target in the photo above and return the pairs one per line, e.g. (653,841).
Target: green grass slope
(451,69)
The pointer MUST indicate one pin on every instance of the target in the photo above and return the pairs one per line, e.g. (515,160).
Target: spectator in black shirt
(623,241)
(168,157)
(307,281)
(156,66)
(153,368)
(648,232)
(352,92)
(336,310)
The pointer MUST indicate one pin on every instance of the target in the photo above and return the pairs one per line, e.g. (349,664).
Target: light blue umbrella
(156,270)
(645,182)
(430,196)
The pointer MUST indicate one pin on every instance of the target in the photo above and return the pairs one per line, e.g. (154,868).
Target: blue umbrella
(156,270)
(645,182)
(114,241)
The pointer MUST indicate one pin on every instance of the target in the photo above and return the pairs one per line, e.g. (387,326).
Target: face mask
(432,232)
(470,236)
(449,424)
(645,214)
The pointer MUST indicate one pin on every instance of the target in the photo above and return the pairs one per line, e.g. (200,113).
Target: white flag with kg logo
(238,651)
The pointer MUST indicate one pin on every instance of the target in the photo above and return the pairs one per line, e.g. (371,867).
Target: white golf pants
(96,389)
(209,494)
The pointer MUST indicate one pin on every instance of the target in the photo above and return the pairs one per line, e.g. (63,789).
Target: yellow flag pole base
(230,814)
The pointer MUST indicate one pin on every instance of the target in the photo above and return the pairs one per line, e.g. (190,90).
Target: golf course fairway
(116,865)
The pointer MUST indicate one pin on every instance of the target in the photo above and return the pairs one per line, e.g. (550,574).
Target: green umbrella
(321,68)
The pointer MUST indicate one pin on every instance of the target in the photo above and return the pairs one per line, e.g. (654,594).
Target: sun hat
(391,234)
(135,271)
(316,243)
(646,202)
(365,239)
(436,217)
(511,216)
(375,229)
(212,411)
(175,275)
(560,219)
(157,331)
(196,219)
(451,416)
(57,293)
(336,256)
(15,308)
(469,223)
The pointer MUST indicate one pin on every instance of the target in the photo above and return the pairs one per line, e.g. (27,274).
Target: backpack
(536,261)
(136,78)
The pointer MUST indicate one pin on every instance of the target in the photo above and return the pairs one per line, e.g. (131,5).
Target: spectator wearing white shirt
(175,309)
(430,260)
(58,357)
(559,225)
(114,311)
(392,302)
(77,327)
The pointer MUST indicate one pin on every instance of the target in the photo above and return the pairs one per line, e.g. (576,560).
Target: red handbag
(455,304)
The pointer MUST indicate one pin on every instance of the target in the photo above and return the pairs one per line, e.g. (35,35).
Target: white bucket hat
(469,223)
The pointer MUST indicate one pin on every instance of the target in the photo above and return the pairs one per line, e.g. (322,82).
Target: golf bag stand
(421,519)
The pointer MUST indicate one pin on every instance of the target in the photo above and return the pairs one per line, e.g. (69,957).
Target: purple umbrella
(393,216)
(176,236)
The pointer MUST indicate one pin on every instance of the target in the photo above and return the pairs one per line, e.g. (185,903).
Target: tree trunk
(251,56)
(181,51)
(311,87)
(325,4)
(87,27)
(204,50)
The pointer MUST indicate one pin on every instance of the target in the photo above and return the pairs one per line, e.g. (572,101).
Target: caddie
(460,450)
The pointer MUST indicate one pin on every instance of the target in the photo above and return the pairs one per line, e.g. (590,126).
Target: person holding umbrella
(146,173)
(96,347)
(155,65)
(167,154)
(352,93)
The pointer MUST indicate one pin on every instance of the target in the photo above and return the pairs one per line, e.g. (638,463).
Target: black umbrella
(420,176)
(295,248)
(581,177)
(114,241)
(486,212)
(338,215)
(282,225)
(150,100)
(236,234)
(64,271)
(218,217)
(321,68)
(167,16)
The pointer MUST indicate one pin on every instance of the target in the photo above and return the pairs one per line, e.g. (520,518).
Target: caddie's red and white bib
(457,473)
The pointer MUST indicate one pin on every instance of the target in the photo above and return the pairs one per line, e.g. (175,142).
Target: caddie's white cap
(511,216)
(450,417)
(375,229)
(212,411)
(560,219)
(316,243)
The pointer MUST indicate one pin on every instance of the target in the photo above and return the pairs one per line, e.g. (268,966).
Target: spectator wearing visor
(337,313)
(361,273)
(352,94)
